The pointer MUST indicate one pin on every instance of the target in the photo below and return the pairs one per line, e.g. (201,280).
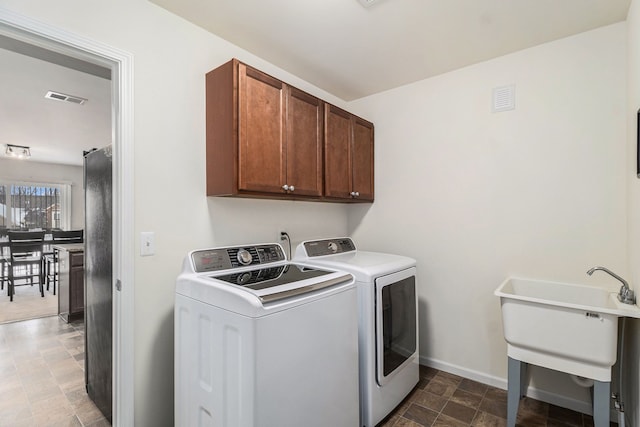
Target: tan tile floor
(42,376)
(443,399)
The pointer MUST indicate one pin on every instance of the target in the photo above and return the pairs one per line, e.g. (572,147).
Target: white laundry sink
(567,327)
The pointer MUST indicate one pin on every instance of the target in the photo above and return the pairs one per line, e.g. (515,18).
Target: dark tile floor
(42,384)
(42,376)
(443,399)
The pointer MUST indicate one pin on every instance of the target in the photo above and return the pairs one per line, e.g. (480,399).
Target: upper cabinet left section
(264,137)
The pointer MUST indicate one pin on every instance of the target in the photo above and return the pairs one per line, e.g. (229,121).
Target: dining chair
(25,260)
(4,254)
(58,237)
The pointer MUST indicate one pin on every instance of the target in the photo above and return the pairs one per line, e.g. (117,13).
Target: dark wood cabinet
(261,139)
(304,143)
(349,163)
(264,137)
(70,281)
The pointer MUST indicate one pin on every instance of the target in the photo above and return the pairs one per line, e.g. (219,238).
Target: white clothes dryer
(387,320)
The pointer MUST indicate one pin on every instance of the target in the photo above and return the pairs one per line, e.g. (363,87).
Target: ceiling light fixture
(18,151)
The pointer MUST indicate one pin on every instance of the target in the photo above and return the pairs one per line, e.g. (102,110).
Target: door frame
(121,64)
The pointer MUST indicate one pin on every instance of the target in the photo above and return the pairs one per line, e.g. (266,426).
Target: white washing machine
(263,342)
(387,320)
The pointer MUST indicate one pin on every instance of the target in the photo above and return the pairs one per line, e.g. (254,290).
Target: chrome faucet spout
(625,295)
(611,273)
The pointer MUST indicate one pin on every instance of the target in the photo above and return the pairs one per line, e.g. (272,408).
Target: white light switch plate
(147,243)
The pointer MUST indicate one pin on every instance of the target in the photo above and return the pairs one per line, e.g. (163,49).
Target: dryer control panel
(329,246)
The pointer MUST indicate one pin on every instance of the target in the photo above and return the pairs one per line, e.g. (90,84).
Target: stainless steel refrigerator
(98,283)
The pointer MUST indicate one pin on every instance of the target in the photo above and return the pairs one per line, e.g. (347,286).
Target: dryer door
(396,322)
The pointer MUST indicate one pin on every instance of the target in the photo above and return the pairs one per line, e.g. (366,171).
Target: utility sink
(567,327)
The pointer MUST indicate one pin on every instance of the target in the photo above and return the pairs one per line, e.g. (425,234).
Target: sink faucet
(625,295)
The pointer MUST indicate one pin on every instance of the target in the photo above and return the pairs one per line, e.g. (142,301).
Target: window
(31,205)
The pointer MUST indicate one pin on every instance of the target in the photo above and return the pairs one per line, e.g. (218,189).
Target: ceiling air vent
(66,98)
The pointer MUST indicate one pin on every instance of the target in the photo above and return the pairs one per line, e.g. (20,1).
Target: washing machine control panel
(217,259)
(329,247)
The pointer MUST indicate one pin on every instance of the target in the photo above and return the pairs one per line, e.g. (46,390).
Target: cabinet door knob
(292,188)
(285,187)
(357,194)
(354,194)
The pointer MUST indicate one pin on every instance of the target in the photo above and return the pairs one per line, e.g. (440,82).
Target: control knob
(333,248)
(244,257)
(244,278)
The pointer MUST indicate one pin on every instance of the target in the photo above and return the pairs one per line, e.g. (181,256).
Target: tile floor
(442,399)
(42,376)
(42,384)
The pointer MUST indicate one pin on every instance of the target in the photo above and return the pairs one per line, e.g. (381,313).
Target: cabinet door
(304,143)
(337,167)
(362,159)
(64,268)
(77,290)
(261,132)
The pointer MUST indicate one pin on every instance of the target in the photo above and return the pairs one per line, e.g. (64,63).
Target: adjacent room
(43,177)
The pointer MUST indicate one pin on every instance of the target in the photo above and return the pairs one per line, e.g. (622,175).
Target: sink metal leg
(516,388)
(601,396)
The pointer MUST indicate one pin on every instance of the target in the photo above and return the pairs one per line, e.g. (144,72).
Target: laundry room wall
(170,59)
(476,196)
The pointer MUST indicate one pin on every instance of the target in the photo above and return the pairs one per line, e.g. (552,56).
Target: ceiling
(56,131)
(352,51)
(338,45)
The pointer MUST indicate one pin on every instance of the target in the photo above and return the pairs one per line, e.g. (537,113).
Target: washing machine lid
(275,283)
(266,283)
(341,254)
(276,290)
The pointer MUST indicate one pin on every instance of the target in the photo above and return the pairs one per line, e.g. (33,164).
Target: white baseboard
(542,395)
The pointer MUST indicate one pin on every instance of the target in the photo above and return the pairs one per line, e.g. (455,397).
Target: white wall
(476,197)
(171,57)
(29,171)
(632,370)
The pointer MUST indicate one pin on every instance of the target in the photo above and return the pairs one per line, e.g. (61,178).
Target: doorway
(42,190)
(120,63)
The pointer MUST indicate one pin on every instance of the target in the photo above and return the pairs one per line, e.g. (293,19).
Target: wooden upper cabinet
(348,156)
(261,148)
(264,137)
(304,143)
(337,169)
(362,159)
